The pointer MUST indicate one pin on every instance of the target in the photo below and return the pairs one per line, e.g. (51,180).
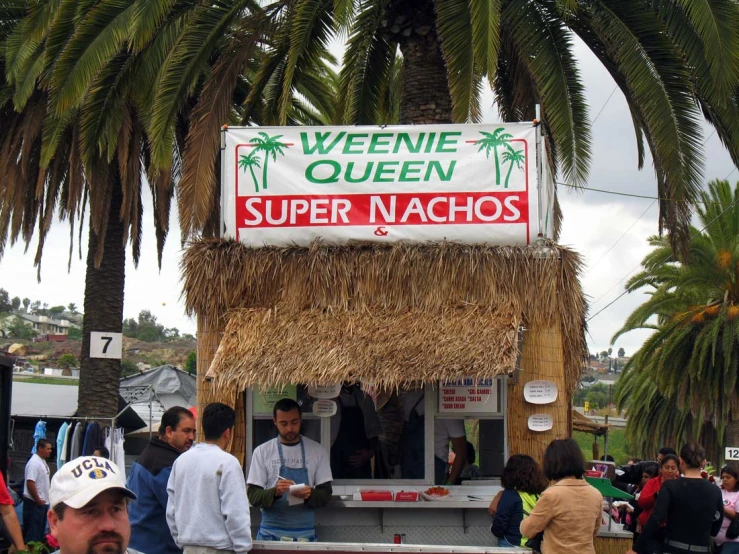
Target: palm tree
(271,146)
(513,157)
(491,142)
(664,56)
(75,106)
(693,354)
(250,161)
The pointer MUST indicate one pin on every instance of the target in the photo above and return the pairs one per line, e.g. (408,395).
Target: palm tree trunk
(99,377)
(254,176)
(264,178)
(426,98)
(731,435)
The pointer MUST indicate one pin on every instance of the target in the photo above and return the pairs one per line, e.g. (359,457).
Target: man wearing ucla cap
(88,513)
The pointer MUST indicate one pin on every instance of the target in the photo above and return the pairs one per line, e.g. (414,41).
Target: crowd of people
(192,498)
(676,509)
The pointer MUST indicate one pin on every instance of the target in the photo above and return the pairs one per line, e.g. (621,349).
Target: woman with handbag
(569,512)
(523,482)
(728,537)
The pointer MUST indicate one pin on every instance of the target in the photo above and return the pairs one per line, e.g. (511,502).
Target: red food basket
(407,496)
(377,496)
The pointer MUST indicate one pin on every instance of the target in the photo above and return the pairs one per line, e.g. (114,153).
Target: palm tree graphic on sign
(250,162)
(491,142)
(271,146)
(513,157)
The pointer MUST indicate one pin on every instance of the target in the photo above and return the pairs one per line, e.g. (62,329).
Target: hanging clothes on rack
(114,443)
(67,443)
(61,436)
(39,432)
(93,439)
(76,441)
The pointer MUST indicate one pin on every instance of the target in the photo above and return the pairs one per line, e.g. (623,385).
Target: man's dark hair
(607,458)
(471,454)
(693,455)
(42,443)
(666,450)
(59,510)
(285,405)
(172,417)
(652,468)
(563,458)
(103,452)
(522,473)
(217,418)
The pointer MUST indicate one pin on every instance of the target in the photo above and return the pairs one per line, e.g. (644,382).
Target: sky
(609,231)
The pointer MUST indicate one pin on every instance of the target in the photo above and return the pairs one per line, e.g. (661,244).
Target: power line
(604,106)
(663,261)
(621,237)
(642,196)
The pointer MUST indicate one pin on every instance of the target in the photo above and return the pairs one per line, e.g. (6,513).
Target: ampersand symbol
(380,232)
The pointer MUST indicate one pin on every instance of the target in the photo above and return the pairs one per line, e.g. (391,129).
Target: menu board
(469,396)
(265,399)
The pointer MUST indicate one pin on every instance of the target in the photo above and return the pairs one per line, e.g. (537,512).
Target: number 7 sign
(105,345)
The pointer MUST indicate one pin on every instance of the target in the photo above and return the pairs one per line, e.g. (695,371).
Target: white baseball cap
(82,479)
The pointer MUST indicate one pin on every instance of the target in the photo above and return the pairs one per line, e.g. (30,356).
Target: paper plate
(324,391)
(447,498)
(540,422)
(540,392)
(324,408)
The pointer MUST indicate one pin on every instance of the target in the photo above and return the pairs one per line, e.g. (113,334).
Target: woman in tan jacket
(569,512)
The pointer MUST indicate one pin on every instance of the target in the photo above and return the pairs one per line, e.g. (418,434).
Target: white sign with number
(731,453)
(106,345)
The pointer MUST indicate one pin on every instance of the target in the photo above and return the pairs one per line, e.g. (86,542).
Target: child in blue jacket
(523,482)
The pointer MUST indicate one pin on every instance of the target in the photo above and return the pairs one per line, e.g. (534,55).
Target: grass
(616,444)
(47,381)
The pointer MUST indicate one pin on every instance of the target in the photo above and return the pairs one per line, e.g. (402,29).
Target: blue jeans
(730,548)
(503,543)
(34,521)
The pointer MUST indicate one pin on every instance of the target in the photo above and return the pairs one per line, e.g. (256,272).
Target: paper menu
(292,500)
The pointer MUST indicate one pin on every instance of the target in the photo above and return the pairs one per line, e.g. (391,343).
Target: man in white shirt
(279,464)
(89,512)
(207,510)
(36,493)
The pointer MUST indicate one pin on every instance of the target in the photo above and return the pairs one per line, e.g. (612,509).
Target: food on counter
(437,491)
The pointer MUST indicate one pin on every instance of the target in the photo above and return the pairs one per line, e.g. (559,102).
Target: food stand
(400,261)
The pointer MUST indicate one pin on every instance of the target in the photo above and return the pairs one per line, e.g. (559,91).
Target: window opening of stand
(386,436)
(474,408)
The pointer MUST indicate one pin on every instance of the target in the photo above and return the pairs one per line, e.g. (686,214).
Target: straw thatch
(612,545)
(582,423)
(267,347)
(315,296)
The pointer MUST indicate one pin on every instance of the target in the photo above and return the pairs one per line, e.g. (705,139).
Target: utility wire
(621,237)
(730,206)
(604,106)
(616,193)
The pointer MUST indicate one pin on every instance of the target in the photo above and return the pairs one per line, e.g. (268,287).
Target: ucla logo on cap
(97,474)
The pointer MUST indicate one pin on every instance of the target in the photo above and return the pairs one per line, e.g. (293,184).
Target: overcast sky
(609,231)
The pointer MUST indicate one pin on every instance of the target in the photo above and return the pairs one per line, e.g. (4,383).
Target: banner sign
(463,183)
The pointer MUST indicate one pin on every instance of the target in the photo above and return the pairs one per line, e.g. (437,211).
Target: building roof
(166,385)
(42,401)
(44,319)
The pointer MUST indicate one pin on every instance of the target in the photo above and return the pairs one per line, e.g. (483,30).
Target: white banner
(464,183)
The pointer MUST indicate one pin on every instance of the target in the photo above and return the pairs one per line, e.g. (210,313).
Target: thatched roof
(262,347)
(390,312)
(582,423)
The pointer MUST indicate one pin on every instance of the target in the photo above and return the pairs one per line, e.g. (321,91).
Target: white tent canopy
(152,392)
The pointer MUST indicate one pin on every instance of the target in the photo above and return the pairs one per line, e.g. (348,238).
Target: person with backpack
(523,482)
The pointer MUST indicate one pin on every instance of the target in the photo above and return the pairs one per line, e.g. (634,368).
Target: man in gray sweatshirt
(202,479)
